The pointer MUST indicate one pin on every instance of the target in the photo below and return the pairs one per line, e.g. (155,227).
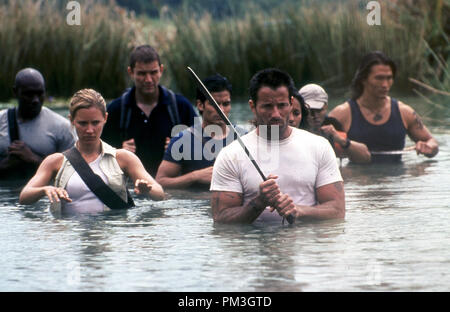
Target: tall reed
(94,54)
(312,41)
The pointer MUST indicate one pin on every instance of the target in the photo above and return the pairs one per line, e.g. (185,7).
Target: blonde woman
(88,116)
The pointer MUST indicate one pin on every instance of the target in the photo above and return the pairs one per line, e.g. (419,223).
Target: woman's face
(296,114)
(89,123)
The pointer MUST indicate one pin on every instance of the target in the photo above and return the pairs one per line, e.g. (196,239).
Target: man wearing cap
(321,124)
(30,132)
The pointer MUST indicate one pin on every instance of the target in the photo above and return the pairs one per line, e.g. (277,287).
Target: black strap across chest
(12,125)
(125,112)
(95,183)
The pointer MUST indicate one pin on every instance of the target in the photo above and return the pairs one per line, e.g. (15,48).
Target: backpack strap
(125,112)
(12,124)
(95,183)
(125,116)
(172,108)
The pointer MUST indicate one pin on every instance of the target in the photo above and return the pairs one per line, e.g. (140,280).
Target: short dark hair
(272,78)
(214,83)
(369,60)
(143,54)
(24,76)
(304,107)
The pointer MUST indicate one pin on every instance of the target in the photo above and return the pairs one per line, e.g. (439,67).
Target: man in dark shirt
(142,119)
(377,123)
(189,158)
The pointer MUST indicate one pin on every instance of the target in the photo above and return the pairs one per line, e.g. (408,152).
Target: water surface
(395,237)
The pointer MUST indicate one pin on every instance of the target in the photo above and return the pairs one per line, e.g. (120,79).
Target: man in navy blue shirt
(190,156)
(142,119)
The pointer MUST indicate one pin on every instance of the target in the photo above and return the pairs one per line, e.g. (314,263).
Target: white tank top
(83,200)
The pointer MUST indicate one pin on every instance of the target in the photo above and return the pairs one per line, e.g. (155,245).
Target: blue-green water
(395,237)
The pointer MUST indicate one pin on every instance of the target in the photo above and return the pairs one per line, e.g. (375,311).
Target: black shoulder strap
(125,116)
(95,183)
(12,124)
(173,108)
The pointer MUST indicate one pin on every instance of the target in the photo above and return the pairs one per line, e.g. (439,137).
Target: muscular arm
(331,198)
(133,167)
(357,152)
(168,175)
(418,132)
(227,208)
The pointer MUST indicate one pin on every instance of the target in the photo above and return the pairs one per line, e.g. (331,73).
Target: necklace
(377,115)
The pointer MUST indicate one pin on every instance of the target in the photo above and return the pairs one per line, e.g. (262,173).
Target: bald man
(30,132)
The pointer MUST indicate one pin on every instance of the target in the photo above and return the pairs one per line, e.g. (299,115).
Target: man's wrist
(257,204)
(345,144)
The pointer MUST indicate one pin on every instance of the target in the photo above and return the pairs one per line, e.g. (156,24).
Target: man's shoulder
(115,104)
(241,130)
(341,109)
(234,146)
(54,117)
(403,107)
(182,99)
(188,132)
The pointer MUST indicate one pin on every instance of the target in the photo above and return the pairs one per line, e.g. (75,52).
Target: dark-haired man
(377,122)
(30,132)
(190,155)
(303,178)
(141,120)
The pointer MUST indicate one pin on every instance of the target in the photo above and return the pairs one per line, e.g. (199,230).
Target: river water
(395,237)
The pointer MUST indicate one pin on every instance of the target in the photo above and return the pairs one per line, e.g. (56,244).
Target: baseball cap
(314,95)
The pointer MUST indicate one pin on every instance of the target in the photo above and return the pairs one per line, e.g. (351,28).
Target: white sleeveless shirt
(83,199)
(108,169)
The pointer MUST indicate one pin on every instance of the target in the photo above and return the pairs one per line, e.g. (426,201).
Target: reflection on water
(395,237)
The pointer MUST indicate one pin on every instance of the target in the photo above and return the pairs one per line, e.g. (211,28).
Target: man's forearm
(358,152)
(177,182)
(241,214)
(330,210)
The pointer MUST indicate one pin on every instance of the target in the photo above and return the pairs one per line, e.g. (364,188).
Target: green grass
(35,34)
(314,41)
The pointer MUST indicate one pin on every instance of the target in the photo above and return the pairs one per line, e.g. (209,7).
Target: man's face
(272,109)
(316,117)
(30,95)
(379,81)
(146,77)
(209,114)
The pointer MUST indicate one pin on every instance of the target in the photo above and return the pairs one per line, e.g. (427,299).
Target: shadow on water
(272,253)
(379,173)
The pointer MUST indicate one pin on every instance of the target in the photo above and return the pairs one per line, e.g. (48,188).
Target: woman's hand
(142,187)
(55,193)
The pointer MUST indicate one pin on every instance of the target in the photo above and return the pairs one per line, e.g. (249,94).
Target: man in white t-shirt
(303,178)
